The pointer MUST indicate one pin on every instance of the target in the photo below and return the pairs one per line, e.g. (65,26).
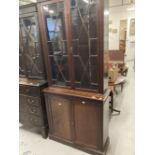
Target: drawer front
(33,101)
(30,120)
(29,90)
(31,105)
(34,110)
(23,117)
(36,121)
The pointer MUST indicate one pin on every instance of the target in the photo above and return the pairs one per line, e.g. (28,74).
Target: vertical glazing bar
(69,41)
(100,48)
(44,41)
(89,63)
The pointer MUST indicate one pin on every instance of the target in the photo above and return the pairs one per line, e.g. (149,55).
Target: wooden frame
(100,46)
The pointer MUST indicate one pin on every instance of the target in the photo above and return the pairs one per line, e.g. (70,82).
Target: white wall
(116,14)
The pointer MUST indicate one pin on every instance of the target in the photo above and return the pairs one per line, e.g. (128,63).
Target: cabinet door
(59,117)
(55,41)
(84,42)
(88,123)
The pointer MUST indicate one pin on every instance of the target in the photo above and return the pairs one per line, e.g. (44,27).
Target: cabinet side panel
(106,114)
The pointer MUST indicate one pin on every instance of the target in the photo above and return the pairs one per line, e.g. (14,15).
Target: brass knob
(60,104)
(30,101)
(83,102)
(33,110)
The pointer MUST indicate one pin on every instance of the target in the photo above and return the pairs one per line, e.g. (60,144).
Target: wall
(115,15)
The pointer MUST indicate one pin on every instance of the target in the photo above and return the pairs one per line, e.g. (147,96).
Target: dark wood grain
(60,116)
(76,93)
(88,128)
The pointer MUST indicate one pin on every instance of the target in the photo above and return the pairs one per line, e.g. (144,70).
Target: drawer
(29,90)
(31,105)
(23,117)
(29,100)
(34,110)
(35,121)
(30,120)
(33,101)
(24,108)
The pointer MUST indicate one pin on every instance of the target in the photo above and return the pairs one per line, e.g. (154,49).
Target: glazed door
(59,109)
(53,24)
(72,35)
(88,126)
(84,43)
(30,47)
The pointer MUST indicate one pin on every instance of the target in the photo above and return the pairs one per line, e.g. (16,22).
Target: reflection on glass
(84,42)
(31,46)
(57,44)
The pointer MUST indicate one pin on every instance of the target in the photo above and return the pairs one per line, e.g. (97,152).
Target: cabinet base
(83,148)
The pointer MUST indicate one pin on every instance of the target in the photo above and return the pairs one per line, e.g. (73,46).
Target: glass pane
(21,56)
(57,43)
(21,65)
(84,42)
(59,69)
(31,46)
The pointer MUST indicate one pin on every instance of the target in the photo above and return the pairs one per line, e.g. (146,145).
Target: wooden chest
(32,111)
(79,119)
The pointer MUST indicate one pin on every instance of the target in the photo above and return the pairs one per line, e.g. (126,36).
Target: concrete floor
(121,130)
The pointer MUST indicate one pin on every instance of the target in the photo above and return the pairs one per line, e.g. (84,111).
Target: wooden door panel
(61,124)
(87,117)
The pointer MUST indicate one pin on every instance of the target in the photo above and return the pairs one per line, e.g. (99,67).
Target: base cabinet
(80,122)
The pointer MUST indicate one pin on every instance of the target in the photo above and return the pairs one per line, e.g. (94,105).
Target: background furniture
(117,57)
(77,99)
(32,111)
(30,53)
(31,71)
